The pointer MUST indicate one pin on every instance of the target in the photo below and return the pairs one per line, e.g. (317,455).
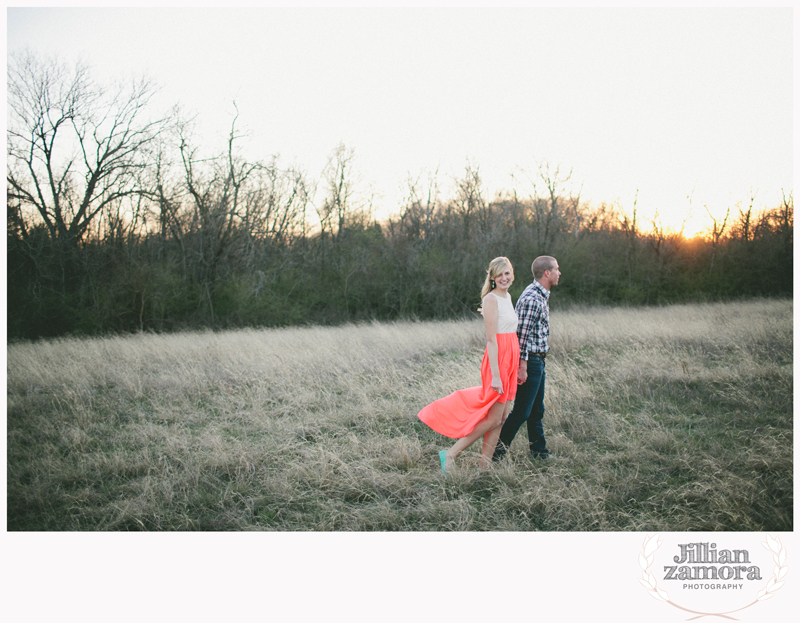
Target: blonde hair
(496,266)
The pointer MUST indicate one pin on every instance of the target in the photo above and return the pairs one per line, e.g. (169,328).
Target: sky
(682,110)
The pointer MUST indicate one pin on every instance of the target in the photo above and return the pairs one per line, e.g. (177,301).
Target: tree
(743,228)
(73,147)
(419,207)
(338,208)
(716,235)
(231,217)
(563,212)
(553,211)
(469,203)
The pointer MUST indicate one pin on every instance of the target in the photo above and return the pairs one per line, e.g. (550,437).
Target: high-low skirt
(458,414)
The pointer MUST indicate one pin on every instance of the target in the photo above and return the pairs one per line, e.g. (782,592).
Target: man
(533,331)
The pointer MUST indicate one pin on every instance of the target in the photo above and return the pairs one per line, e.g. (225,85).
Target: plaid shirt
(534,320)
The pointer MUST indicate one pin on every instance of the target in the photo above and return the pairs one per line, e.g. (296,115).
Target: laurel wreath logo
(648,580)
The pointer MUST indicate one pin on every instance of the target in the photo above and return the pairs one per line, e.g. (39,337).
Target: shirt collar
(541,288)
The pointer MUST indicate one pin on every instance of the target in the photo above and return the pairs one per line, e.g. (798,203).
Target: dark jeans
(528,407)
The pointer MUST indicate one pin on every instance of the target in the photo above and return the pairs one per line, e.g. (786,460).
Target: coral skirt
(458,414)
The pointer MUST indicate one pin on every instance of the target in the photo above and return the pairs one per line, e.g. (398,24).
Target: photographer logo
(716,576)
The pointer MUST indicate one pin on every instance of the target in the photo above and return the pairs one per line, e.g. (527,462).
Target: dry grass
(675,418)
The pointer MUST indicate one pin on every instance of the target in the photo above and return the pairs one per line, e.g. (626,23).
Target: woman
(468,414)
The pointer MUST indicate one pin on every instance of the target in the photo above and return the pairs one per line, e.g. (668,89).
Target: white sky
(666,102)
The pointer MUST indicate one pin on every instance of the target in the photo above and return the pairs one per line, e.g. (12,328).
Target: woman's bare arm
(490,315)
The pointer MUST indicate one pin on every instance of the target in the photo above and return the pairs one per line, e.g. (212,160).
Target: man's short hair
(541,264)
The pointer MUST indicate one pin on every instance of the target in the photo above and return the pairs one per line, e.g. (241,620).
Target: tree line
(118,222)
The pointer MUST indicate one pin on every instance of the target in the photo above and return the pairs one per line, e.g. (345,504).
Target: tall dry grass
(674,418)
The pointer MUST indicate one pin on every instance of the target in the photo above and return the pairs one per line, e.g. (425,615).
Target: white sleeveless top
(506,316)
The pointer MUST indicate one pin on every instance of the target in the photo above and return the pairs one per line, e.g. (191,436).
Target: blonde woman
(475,412)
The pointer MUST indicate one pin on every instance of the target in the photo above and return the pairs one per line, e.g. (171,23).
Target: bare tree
(74,148)
(630,227)
(563,208)
(228,213)
(337,205)
(277,205)
(216,188)
(469,202)
(554,209)
(743,228)
(657,236)
(787,214)
(717,232)
(419,207)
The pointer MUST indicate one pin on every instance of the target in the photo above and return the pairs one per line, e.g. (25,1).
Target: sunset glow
(683,111)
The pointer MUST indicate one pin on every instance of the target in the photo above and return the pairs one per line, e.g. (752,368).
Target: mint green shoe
(443,460)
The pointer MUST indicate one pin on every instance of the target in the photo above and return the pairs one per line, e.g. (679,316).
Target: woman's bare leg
(493,419)
(490,438)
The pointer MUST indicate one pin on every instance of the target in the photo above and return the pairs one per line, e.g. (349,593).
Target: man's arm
(526,316)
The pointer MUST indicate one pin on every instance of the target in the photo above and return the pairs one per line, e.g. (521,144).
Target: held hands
(522,374)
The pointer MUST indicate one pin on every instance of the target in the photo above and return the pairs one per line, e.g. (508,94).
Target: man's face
(552,275)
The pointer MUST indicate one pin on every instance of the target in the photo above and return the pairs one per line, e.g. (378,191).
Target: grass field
(661,419)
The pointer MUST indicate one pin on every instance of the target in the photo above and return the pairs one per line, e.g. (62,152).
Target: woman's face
(505,278)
